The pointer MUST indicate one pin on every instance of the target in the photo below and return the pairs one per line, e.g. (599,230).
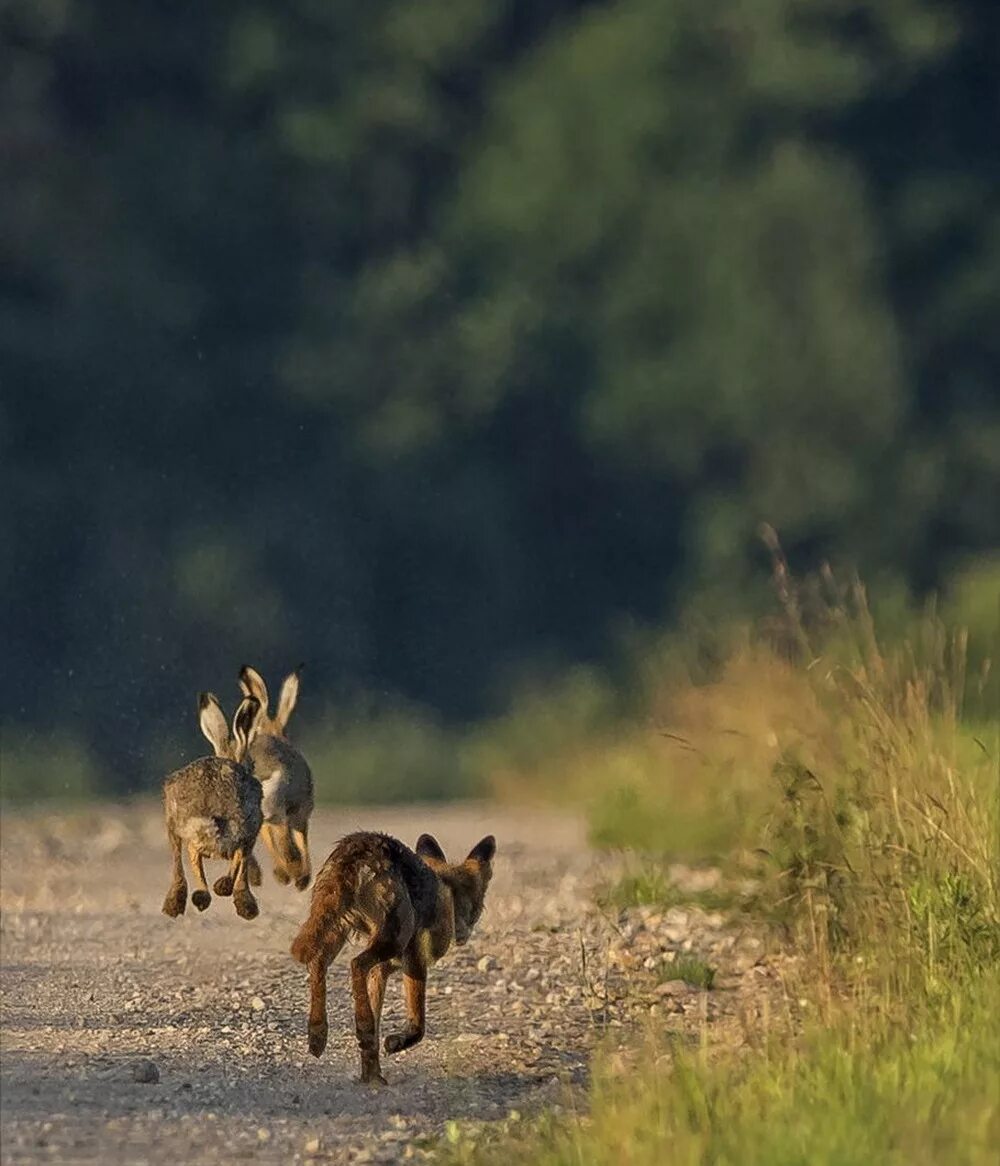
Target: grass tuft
(690,969)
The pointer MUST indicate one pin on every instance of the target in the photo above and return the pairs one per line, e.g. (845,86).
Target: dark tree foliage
(425,340)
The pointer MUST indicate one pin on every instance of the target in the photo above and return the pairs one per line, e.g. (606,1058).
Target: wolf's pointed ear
(213,723)
(253,685)
(427,847)
(287,698)
(244,724)
(484,850)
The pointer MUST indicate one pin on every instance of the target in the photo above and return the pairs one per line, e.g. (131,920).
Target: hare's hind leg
(274,839)
(283,852)
(201,897)
(176,899)
(223,885)
(243,900)
(299,827)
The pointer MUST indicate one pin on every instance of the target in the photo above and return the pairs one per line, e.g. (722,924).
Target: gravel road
(128,1037)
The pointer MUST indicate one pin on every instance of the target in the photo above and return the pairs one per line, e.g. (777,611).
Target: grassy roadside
(837,773)
(858,1092)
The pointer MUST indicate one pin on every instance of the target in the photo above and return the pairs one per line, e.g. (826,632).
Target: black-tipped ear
(484,850)
(213,723)
(427,847)
(252,684)
(243,721)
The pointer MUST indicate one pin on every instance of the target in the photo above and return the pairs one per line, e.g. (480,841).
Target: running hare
(213,806)
(285,778)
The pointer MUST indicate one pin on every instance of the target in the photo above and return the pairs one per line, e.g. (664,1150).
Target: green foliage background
(437,343)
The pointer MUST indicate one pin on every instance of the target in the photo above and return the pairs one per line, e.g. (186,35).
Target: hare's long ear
(244,725)
(427,847)
(213,722)
(484,850)
(287,698)
(253,685)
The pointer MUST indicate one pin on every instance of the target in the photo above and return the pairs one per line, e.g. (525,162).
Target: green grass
(859,1093)
(690,969)
(651,886)
(835,768)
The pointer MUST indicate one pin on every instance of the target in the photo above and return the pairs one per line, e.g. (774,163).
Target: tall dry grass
(827,760)
(833,763)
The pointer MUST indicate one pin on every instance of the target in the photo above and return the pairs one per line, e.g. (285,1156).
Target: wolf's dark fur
(410,906)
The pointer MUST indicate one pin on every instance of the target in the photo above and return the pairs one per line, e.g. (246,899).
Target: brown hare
(408,907)
(213,807)
(285,778)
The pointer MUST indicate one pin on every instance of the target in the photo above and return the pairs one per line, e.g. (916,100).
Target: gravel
(129,1037)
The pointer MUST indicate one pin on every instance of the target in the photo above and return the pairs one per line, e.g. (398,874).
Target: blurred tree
(666,187)
(426,340)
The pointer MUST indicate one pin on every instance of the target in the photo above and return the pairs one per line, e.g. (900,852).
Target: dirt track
(96,981)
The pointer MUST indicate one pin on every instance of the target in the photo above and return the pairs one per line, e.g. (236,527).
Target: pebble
(672,988)
(257,1004)
(145,1072)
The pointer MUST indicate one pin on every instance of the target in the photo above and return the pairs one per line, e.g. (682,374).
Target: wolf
(409,906)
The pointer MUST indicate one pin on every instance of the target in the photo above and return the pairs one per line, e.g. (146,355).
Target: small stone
(257,1004)
(672,988)
(263,1135)
(145,1073)
(486,964)
(312,1146)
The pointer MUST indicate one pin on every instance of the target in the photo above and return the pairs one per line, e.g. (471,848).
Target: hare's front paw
(245,904)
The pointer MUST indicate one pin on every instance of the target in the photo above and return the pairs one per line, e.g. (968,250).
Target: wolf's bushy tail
(323,932)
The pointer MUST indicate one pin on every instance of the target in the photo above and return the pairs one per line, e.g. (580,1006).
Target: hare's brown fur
(285,778)
(213,809)
(409,907)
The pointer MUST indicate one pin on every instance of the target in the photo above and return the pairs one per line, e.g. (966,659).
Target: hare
(213,806)
(285,778)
